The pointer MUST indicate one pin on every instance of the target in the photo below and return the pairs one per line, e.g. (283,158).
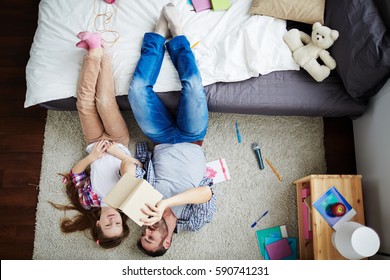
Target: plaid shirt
(194,216)
(88,198)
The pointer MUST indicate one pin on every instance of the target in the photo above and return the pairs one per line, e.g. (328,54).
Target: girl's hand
(114,149)
(154,212)
(99,149)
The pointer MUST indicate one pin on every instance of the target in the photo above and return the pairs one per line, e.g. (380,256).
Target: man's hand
(154,213)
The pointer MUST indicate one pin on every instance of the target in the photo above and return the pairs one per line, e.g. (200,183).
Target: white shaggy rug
(294,145)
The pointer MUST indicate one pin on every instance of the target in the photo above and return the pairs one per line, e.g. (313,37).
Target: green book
(220,5)
(261,234)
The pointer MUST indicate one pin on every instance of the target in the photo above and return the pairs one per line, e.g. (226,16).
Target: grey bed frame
(278,93)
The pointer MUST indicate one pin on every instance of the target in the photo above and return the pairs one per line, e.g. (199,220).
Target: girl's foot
(89,40)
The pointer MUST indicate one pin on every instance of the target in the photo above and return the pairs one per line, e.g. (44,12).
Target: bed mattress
(229,45)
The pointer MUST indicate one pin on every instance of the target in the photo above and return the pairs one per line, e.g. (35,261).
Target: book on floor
(261,234)
(218,171)
(201,5)
(278,248)
(220,5)
(130,195)
(327,202)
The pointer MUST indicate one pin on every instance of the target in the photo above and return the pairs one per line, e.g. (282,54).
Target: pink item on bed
(89,40)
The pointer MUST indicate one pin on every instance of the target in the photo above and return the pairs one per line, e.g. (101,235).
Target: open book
(130,195)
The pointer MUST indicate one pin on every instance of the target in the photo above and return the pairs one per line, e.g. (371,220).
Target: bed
(245,65)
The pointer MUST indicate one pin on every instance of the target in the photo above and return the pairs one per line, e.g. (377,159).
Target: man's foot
(173,17)
(162,26)
(89,40)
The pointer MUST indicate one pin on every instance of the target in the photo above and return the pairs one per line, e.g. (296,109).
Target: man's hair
(158,253)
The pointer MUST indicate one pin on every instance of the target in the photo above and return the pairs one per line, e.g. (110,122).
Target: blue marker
(238,133)
(262,216)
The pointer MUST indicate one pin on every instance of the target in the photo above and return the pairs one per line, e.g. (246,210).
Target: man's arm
(191,196)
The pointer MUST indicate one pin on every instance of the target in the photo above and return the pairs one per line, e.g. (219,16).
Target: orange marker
(274,170)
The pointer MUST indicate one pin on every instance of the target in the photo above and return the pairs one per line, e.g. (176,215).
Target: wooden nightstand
(320,247)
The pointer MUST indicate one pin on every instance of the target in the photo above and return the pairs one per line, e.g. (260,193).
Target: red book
(279,250)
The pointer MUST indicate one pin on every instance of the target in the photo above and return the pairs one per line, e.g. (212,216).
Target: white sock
(173,17)
(162,26)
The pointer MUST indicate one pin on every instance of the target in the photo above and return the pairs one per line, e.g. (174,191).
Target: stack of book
(274,244)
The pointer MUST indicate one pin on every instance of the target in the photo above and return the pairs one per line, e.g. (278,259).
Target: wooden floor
(22,130)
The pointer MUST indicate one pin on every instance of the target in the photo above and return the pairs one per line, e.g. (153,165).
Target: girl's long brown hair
(86,219)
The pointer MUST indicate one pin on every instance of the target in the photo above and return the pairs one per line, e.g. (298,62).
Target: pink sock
(93,40)
(82,44)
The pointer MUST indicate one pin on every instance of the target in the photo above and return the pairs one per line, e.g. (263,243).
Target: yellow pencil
(194,45)
(274,170)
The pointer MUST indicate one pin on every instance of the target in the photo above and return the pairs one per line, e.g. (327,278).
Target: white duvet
(232,46)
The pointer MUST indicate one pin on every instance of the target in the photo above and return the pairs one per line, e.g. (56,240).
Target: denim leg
(150,113)
(192,112)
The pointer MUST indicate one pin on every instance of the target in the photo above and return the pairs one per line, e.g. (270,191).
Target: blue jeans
(157,123)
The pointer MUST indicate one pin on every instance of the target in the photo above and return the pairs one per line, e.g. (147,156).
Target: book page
(122,190)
